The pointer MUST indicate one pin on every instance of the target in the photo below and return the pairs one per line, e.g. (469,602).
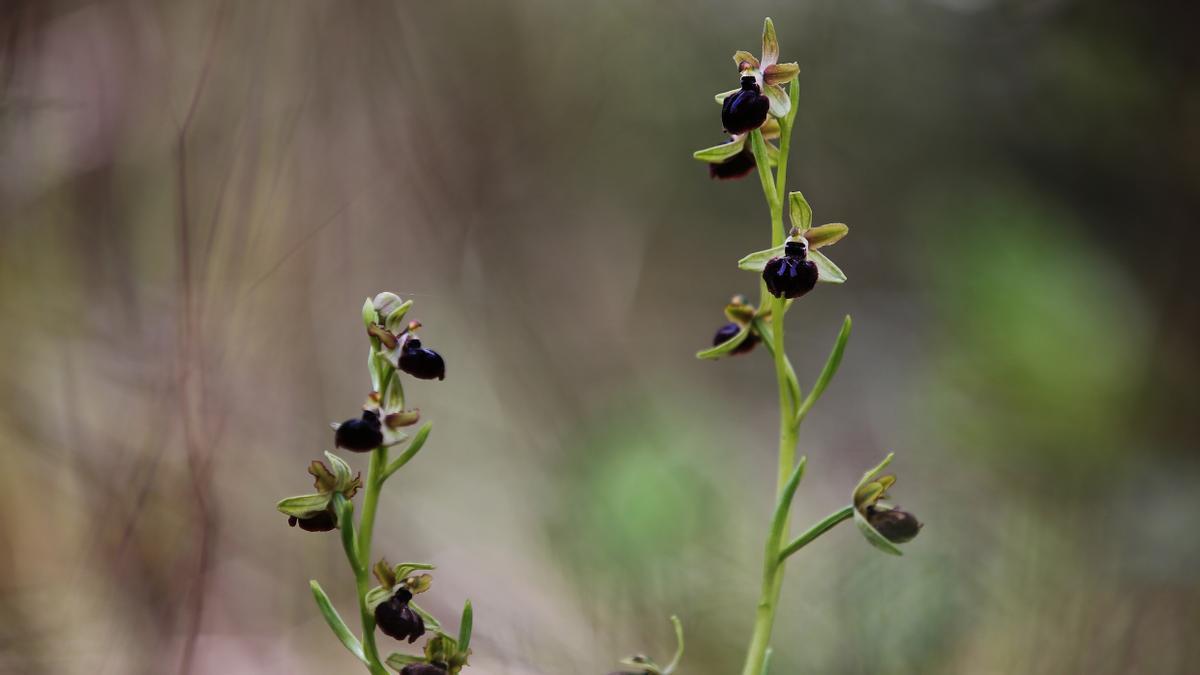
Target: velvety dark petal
(360,435)
(396,619)
(745,110)
(789,276)
(895,525)
(736,166)
(322,522)
(726,333)
(422,363)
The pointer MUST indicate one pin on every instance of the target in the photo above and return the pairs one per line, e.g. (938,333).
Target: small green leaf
(825,235)
(755,262)
(877,540)
(831,367)
(464,627)
(770,43)
(335,621)
(781,104)
(304,506)
(741,58)
(780,73)
(826,270)
(800,211)
(720,153)
(397,660)
(726,346)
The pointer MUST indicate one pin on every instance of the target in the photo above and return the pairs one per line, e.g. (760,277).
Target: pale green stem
(789,401)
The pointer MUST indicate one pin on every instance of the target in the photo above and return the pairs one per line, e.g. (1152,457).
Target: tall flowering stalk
(757,112)
(395,351)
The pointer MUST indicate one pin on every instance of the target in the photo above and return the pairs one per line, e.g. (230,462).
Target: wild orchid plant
(754,114)
(395,349)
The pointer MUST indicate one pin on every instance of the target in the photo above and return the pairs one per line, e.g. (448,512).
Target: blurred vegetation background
(195,197)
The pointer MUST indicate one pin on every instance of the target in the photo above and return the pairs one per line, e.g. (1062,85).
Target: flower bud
(360,435)
(792,274)
(745,110)
(895,525)
(396,619)
(321,522)
(725,333)
(420,362)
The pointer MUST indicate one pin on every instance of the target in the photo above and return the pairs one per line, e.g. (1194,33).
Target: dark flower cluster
(792,274)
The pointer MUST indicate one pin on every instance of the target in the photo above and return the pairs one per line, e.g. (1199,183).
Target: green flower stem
(830,521)
(789,402)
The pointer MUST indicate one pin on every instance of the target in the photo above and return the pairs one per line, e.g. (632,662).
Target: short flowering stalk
(394,349)
(788,271)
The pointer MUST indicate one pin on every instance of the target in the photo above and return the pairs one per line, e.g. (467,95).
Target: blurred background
(195,198)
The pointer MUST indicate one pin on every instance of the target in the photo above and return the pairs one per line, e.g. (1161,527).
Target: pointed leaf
(720,153)
(335,621)
(744,59)
(369,316)
(755,262)
(827,271)
(780,73)
(770,44)
(726,346)
(304,506)
(825,235)
(799,211)
(780,103)
(674,663)
(877,540)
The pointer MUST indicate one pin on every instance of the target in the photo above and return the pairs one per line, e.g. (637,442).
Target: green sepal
(397,661)
(825,235)
(725,347)
(335,622)
(384,573)
(305,506)
(341,471)
(780,73)
(799,211)
(395,320)
(755,262)
(369,316)
(720,98)
(742,56)
(870,474)
(377,596)
(873,537)
(826,270)
(781,103)
(770,43)
(386,303)
(721,153)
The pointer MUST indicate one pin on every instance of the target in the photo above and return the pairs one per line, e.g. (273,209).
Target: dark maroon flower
(746,109)
(792,274)
(420,362)
(737,166)
(396,619)
(895,525)
(322,522)
(725,334)
(360,435)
